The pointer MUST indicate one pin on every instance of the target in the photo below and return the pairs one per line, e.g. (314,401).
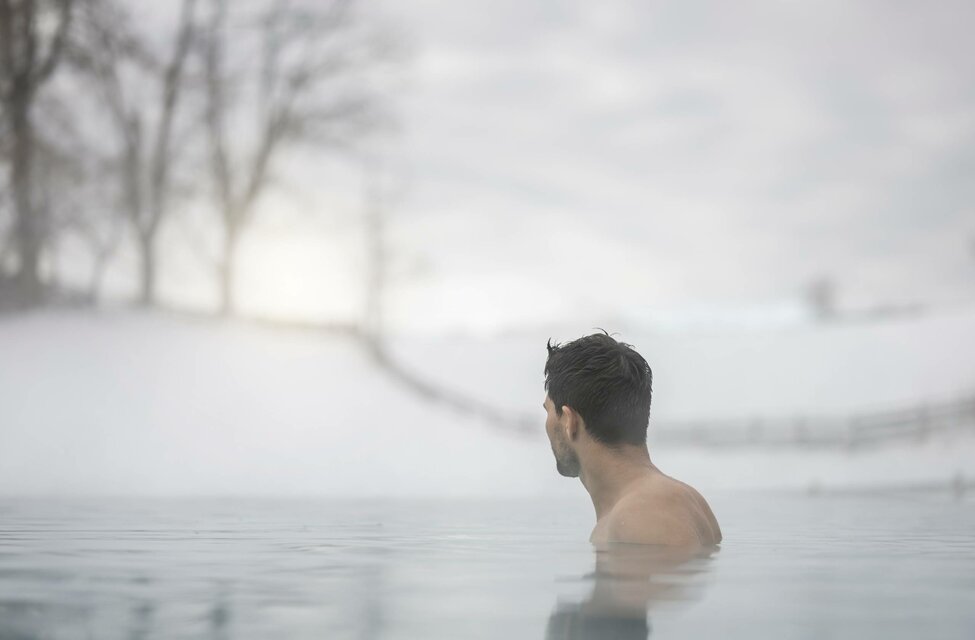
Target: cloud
(728,150)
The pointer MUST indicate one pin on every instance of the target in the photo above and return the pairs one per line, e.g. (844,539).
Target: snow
(126,402)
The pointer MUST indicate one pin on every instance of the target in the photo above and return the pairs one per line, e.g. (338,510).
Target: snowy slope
(833,369)
(133,403)
(127,402)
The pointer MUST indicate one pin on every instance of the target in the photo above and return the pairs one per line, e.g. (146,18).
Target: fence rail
(857,431)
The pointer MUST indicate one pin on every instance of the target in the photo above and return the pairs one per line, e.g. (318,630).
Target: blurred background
(299,247)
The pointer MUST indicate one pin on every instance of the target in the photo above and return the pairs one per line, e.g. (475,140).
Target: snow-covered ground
(124,402)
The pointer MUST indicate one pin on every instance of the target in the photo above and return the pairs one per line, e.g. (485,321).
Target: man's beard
(566,460)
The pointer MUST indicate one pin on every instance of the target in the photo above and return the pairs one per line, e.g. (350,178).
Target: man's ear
(572,422)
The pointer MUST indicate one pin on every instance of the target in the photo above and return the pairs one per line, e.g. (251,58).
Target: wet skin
(657,509)
(634,501)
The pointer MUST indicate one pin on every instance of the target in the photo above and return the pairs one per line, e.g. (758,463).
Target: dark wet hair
(606,382)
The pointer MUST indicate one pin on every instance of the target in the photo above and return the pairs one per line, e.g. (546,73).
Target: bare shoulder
(665,512)
(707,522)
(636,524)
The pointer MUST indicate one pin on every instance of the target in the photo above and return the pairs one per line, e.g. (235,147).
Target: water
(790,567)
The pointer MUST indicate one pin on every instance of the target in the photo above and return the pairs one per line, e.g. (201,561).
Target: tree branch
(172,84)
(219,161)
(50,62)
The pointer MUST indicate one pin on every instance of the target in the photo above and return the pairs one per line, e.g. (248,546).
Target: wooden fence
(858,431)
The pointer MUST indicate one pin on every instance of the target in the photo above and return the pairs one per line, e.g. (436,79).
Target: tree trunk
(97,277)
(27,227)
(228,269)
(147,282)
(375,261)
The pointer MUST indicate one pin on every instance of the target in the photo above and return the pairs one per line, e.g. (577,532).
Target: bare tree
(30,51)
(385,265)
(81,206)
(101,231)
(305,57)
(6,228)
(146,128)
(376,256)
(58,172)
(76,205)
(821,297)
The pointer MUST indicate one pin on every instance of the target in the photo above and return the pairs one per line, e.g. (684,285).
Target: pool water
(791,566)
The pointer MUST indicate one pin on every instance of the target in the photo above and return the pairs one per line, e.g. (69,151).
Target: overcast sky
(604,161)
(603,158)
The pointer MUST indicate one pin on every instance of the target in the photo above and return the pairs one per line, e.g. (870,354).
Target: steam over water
(791,566)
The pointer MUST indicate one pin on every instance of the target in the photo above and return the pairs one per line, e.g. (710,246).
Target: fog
(333,267)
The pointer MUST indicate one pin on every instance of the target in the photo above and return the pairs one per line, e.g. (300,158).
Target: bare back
(659,510)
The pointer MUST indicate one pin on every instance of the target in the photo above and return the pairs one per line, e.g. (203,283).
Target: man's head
(598,385)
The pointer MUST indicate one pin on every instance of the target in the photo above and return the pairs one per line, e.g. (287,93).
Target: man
(598,406)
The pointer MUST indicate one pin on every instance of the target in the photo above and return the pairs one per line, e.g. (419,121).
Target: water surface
(791,566)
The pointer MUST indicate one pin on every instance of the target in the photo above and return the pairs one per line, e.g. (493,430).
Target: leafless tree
(376,255)
(81,207)
(821,296)
(6,227)
(302,69)
(100,229)
(114,53)
(57,174)
(385,265)
(32,38)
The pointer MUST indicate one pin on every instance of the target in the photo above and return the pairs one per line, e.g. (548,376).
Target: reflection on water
(627,583)
(791,567)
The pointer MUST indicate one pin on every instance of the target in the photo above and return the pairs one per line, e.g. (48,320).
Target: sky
(626,162)
(608,158)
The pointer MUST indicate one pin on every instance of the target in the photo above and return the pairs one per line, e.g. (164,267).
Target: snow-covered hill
(137,403)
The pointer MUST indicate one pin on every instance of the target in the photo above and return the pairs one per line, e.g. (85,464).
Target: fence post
(755,430)
(801,435)
(923,425)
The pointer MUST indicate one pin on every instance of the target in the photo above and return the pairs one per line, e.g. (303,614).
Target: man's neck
(608,473)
